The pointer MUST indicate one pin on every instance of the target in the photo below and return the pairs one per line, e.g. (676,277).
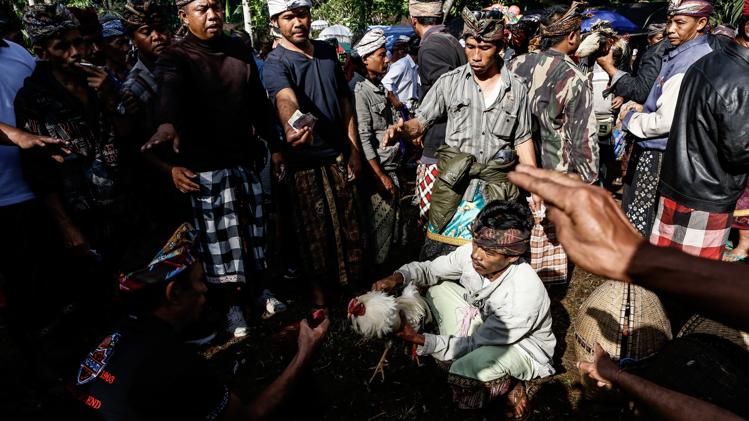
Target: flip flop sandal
(733,258)
(515,397)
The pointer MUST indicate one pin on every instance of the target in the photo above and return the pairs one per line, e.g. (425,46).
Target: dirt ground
(339,387)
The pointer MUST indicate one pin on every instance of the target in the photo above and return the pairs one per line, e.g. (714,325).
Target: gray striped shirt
(472,127)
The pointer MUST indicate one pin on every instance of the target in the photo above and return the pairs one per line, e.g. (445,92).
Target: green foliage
(355,14)
(258,12)
(358,14)
(388,12)
(78,3)
(726,12)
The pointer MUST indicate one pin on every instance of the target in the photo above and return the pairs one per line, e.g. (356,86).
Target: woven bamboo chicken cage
(627,320)
(701,324)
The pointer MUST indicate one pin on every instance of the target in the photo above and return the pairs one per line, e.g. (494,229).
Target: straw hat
(627,320)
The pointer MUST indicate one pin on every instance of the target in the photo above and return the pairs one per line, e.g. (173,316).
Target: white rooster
(377,314)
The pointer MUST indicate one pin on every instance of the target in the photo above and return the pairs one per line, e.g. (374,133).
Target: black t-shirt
(318,84)
(211,92)
(439,53)
(143,371)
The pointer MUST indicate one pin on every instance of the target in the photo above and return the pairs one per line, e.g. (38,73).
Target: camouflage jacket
(561,103)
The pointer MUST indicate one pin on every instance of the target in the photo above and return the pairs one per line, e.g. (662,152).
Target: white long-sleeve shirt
(654,123)
(402,79)
(515,312)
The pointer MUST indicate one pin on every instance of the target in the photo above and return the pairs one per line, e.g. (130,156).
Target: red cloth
(425,177)
(695,232)
(746,8)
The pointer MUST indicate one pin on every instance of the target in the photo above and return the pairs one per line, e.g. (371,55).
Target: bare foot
(517,403)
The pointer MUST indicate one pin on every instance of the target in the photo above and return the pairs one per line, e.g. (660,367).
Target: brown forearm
(527,153)
(159,164)
(57,211)
(9,134)
(286,105)
(350,120)
(610,69)
(413,128)
(374,164)
(715,288)
(669,404)
(272,397)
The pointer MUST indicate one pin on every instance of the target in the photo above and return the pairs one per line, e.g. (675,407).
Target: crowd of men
(116,130)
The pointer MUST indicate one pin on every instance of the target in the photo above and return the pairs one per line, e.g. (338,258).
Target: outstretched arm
(432,108)
(665,403)
(599,238)
(171,78)
(286,105)
(274,395)
(410,129)
(10,135)
(635,88)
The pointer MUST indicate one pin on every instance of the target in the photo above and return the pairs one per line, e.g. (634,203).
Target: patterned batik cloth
(426,174)
(229,215)
(695,232)
(432,249)
(741,214)
(640,199)
(385,224)
(458,231)
(327,223)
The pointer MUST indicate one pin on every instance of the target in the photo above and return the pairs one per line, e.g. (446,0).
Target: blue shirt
(16,64)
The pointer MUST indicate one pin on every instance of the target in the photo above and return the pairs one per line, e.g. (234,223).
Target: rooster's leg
(380,367)
(415,356)
(411,352)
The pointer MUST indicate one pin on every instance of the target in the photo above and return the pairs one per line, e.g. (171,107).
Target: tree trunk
(446,9)
(247,12)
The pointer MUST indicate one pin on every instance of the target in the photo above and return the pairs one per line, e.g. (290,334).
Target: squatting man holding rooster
(490,307)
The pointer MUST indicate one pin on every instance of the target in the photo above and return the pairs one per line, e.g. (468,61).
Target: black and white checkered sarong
(228,212)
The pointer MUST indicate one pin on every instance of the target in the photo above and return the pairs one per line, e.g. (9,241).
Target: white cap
(276,7)
(370,42)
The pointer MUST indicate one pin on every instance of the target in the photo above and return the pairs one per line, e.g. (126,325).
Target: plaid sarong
(426,174)
(548,257)
(229,215)
(698,233)
(141,83)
